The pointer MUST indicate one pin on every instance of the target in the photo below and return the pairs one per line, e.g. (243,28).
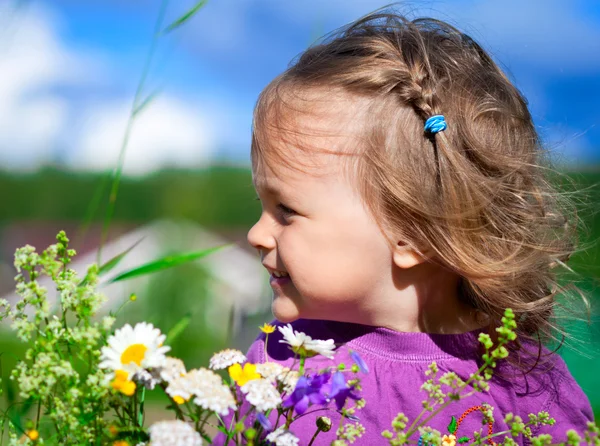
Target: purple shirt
(397,364)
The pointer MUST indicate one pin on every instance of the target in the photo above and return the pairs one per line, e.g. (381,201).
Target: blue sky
(72,68)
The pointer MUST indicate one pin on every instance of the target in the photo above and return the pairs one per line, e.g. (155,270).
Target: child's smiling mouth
(278,278)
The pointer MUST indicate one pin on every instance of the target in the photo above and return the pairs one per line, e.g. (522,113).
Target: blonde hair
(479,193)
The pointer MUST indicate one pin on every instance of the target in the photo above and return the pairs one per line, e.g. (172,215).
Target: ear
(406,257)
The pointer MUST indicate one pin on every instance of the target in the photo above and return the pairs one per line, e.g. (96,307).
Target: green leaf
(112,262)
(184,18)
(140,414)
(452,426)
(116,259)
(463,440)
(177,329)
(165,263)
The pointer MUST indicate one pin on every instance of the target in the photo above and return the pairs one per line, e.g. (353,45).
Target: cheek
(333,264)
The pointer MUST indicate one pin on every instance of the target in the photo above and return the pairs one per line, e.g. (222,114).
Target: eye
(285,210)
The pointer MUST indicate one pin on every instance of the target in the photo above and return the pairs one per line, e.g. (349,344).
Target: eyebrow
(263,187)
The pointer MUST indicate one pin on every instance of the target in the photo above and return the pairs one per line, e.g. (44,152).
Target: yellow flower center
(178,399)
(449,440)
(33,434)
(134,353)
(242,376)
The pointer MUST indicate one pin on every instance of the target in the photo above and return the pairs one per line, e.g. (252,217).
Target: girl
(404,208)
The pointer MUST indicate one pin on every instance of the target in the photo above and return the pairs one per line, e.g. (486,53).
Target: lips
(279,281)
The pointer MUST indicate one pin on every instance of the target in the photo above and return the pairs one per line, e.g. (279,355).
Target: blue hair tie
(437,123)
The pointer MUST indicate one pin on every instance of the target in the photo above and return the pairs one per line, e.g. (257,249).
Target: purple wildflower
(362,365)
(340,391)
(264,421)
(309,390)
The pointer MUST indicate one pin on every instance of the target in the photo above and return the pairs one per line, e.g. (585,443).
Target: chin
(285,310)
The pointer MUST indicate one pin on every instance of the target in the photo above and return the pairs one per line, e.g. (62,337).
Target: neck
(426,299)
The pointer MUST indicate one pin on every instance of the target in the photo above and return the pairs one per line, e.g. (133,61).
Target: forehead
(305,132)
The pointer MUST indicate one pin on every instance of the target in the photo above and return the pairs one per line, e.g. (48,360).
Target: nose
(259,235)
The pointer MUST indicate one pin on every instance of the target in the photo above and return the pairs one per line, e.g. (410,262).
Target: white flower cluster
(207,387)
(171,433)
(276,373)
(225,358)
(283,437)
(261,394)
(172,369)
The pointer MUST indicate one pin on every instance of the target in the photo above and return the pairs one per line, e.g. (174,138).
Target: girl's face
(315,228)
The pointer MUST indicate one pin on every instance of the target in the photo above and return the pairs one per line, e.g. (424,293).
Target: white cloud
(37,117)
(167,132)
(31,61)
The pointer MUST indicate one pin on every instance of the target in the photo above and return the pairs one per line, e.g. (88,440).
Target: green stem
(314,437)
(37,418)
(138,93)
(178,411)
(288,419)
(140,413)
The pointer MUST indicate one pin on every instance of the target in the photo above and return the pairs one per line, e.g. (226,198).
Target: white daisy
(174,433)
(172,369)
(304,345)
(261,394)
(223,359)
(209,390)
(132,349)
(282,437)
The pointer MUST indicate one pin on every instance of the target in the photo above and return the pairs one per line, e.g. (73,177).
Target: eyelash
(286,210)
(283,208)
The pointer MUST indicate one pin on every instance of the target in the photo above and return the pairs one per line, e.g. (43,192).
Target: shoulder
(552,388)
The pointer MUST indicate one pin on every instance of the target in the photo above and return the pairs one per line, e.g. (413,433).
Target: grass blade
(146,102)
(178,329)
(184,18)
(112,262)
(116,259)
(165,263)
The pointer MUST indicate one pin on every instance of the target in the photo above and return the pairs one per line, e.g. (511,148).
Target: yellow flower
(179,399)
(122,383)
(449,440)
(267,328)
(242,376)
(121,443)
(32,434)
